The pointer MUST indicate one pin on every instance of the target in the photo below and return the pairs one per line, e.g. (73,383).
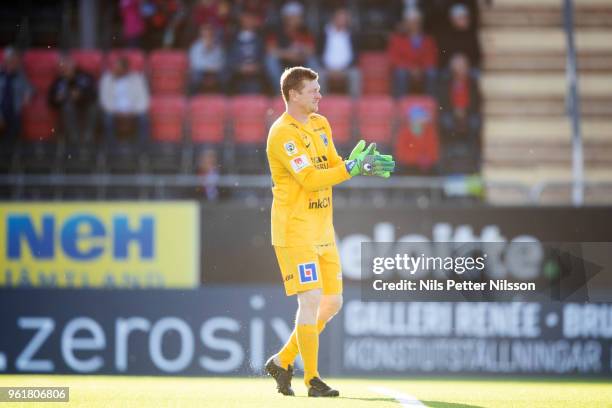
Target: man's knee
(308,302)
(330,306)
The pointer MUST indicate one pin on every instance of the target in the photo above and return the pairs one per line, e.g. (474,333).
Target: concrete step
(543,40)
(543,130)
(532,107)
(543,85)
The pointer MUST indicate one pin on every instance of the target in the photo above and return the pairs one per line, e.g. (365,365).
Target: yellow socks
(290,350)
(308,345)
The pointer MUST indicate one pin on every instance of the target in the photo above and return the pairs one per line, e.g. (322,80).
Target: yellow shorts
(310,267)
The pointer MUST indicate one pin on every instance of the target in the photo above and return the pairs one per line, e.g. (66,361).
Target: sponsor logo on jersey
(308,272)
(320,162)
(290,148)
(300,163)
(319,203)
(324,137)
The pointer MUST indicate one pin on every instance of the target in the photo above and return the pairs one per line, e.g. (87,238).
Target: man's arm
(286,148)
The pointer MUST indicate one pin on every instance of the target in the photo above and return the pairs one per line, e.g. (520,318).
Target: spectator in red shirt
(292,45)
(413,56)
(417,142)
(460,101)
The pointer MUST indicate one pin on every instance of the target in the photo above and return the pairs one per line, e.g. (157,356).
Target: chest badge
(324,138)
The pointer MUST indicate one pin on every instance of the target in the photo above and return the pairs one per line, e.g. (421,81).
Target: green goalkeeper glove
(368,162)
(389,164)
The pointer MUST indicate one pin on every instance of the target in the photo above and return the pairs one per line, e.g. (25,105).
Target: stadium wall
(231,330)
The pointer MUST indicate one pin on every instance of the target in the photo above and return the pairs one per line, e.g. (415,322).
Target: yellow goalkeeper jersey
(304,165)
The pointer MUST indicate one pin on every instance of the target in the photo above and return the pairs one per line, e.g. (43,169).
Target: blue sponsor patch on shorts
(308,272)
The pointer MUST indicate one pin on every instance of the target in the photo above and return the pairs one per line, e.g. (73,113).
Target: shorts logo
(308,272)
(324,137)
(290,148)
(299,163)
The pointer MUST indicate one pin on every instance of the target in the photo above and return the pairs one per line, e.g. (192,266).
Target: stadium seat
(375,118)
(39,121)
(167,114)
(90,61)
(168,70)
(207,119)
(136,58)
(338,110)
(375,70)
(277,107)
(40,66)
(248,115)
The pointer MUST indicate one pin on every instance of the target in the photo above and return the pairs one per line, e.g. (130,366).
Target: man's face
(308,99)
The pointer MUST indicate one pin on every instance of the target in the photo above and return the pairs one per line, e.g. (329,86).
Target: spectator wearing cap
(338,54)
(413,56)
(15,92)
(460,37)
(124,97)
(245,65)
(417,143)
(292,45)
(206,61)
(73,93)
(460,101)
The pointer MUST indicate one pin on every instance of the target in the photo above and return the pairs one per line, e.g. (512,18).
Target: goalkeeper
(305,165)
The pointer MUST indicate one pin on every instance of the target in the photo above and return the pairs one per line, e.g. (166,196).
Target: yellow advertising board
(100,244)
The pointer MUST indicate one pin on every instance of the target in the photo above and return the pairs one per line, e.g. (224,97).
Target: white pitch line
(406,400)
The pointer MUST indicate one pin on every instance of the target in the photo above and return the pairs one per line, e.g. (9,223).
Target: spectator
(162,18)
(73,93)
(209,171)
(133,23)
(125,99)
(212,12)
(460,101)
(417,142)
(245,63)
(413,56)
(461,37)
(292,45)
(15,92)
(206,61)
(338,54)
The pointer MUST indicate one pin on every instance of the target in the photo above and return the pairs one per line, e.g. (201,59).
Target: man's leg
(330,305)
(307,331)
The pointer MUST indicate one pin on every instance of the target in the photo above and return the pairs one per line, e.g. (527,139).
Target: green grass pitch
(128,392)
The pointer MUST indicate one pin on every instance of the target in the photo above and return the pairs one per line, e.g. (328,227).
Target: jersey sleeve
(284,147)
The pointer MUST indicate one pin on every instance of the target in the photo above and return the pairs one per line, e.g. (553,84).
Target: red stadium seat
(168,70)
(207,118)
(277,107)
(90,61)
(248,114)
(338,110)
(41,67)
(39,121)
(167,114)
(375,118)
(375,71)
(135,57)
